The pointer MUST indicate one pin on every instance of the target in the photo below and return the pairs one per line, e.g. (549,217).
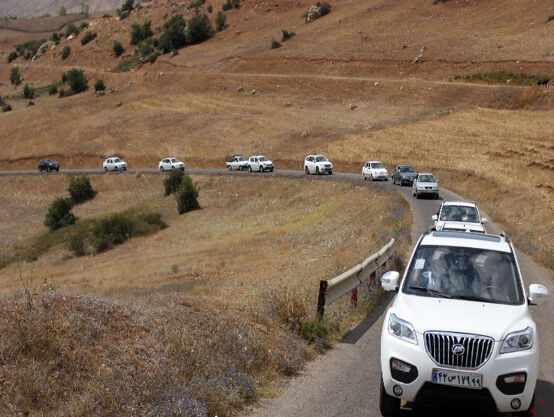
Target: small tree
(199,29)
(140,32)
(28,92)
(118,48)
(324,7)
(12,56)
(6,108)
(80,190)
(55,37)
(77,243)
(83,26)
(187,196)
(70,30)
(174,36)
(88,37)
(15,76)
(59,214)
(220,21)
(66,51)
(53,89)
(76,80)
(173,182)
(62,11)
(287,35)
(275,44)
(99,85)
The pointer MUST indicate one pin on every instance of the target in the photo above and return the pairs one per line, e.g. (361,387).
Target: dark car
(48,165)
(404,174)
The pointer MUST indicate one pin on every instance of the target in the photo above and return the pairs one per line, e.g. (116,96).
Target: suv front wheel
(388,405)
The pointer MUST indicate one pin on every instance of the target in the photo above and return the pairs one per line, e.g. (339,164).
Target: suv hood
(460,316)
(478,227)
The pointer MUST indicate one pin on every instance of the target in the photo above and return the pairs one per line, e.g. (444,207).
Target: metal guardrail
(347,282)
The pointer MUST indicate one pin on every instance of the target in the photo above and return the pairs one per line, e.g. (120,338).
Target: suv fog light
(400,366)
(515,379)
(397,389)
(516,403)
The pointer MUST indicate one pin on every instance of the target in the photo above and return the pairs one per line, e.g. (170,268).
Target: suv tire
(317,171)
(249,168)
(388,405)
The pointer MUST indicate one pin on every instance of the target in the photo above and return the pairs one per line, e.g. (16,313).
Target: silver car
(425,184)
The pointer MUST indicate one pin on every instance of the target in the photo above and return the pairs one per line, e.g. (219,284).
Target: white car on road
(170,164)
(259,163)
(317,164)
(459,330)
(236,163)
(458,215)
(374,170)
(114,164)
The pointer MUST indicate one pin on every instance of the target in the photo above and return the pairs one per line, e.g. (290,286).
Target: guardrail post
(321,299)
(354,297)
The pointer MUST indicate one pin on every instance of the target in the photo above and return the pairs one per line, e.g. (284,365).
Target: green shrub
(99,85)
(220,21)
(88,37)
(55,37)
(28,92)
(140,32)
(117,228)
(76,80)
(174,36)
(128,6)
(29,49)
(80,190)
(287,35)
(53,89)
(15,76)
(6,108)
(173,181)
(83,26)
(59,214)
(196,3)
(187,196)
(117,49)
(12,56)
(275,44)
(199,29)
(324,7)
(66,51)
(61,92)
(146,50)
(231,4)
(71,29)
(30,103)
(77,243)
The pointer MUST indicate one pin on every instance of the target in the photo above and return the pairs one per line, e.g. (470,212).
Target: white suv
(375,170)
(460,328)
(317,164)
(457,215)
(170,164)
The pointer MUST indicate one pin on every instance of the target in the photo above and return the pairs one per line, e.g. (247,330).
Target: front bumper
(324,169)
(427,191)
(382,176)
(423,392)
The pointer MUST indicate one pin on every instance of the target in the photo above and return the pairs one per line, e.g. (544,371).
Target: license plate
(457,379)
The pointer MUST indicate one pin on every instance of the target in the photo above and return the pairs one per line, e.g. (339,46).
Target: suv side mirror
(434,217)
(538,294)
(389,281)
(483,220)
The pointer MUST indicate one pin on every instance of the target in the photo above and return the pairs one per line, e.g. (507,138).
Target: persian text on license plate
(457,379)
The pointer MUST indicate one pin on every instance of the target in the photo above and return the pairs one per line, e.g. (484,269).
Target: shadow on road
(357,332)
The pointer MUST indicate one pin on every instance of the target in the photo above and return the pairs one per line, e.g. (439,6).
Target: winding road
(345,381)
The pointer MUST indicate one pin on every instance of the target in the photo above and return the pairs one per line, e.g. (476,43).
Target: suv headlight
(402,329)
(517,341)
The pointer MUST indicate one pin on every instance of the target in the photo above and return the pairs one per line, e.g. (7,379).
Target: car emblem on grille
(458,349)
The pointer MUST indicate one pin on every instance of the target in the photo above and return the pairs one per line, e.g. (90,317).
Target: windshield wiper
(476,298)
(430,291)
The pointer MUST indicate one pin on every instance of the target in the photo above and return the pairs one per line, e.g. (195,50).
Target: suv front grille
(473,353)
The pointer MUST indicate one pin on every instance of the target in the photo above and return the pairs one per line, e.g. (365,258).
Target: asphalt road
(345,381)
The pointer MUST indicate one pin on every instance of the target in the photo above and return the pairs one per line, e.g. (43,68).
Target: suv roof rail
(505,236)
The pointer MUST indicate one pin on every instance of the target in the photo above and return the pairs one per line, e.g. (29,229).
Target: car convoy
(459,327)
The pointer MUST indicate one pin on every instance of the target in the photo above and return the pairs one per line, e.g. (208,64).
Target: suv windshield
(377,165)
(320,159)
(464,273)
(407,169)
(426,178)
(117,160)
(459,214)
(262,158)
